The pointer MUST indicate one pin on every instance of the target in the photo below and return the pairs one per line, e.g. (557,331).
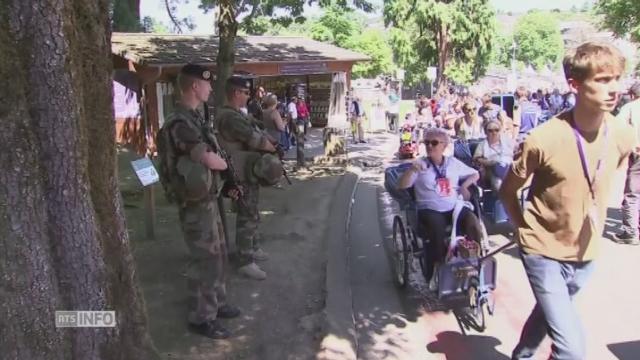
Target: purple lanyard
(442,171)
(583,157)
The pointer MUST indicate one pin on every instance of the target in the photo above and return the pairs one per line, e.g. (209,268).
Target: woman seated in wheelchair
(438,181)
(494,155)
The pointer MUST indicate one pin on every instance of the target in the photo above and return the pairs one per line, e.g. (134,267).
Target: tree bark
(228,28)
(63,240)
(442,42)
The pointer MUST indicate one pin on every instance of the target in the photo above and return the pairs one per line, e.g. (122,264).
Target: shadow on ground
(629,350)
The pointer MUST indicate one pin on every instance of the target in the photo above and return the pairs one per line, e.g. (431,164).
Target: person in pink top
(303,113)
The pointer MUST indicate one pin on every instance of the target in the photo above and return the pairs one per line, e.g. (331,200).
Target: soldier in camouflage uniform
(192,171)
(248,146)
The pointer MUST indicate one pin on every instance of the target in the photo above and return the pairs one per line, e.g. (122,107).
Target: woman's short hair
(270,100)
(492,122)
(436,132)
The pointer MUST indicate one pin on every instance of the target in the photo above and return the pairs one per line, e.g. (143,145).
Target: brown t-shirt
(559,201)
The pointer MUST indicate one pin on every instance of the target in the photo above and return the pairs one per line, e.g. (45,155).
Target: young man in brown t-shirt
(571,160)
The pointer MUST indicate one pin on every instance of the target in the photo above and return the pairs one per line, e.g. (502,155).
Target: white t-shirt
(293,110)
(429,194)
(501,152)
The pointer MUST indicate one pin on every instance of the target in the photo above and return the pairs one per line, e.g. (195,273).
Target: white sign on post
(146,171)
(432,72)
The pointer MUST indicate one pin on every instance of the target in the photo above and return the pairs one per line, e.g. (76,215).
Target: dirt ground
(281,316)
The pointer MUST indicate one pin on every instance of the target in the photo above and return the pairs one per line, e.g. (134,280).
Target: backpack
(172,184)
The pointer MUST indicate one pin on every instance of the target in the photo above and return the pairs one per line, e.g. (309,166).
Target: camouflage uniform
(199,215)
(242,140)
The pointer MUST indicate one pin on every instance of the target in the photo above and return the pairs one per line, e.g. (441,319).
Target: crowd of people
(568,148)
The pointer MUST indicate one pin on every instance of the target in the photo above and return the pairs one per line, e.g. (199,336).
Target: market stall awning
(171,49)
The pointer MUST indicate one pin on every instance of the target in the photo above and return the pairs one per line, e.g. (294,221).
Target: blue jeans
(554,284)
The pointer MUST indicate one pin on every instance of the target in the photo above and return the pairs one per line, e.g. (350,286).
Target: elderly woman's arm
(409,176)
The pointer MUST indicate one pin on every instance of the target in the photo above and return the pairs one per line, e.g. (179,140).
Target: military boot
(252,271)
(211,329)
(260,255)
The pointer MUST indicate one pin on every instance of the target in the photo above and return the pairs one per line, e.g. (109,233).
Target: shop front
(285,66)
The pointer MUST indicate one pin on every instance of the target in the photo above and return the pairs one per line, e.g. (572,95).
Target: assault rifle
(210,134)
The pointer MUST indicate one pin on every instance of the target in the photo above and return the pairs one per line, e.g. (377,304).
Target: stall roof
(162,49)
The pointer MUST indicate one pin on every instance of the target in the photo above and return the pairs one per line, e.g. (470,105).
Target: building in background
(147,66)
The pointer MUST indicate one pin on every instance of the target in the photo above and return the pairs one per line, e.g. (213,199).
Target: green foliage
(336,26)
(345,28)
(372,43)
(502,53)
(151,25)
(429,32)
(256,15)
(621,16)
(538,40)
(125,17)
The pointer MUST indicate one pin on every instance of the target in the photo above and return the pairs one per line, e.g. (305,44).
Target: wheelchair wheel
(477,306)
(401,252)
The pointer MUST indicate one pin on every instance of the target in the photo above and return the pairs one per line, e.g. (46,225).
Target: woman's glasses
(433,143)
(493,130)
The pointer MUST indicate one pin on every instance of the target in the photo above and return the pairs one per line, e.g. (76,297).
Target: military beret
(239,82)
(197,71)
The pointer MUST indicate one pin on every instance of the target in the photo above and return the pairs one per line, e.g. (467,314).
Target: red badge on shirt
(443,187)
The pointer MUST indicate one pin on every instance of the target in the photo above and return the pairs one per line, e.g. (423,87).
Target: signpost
(147,175)
(432,72)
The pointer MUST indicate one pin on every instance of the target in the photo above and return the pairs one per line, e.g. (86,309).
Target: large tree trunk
(443,46)
(63,240)
(228,28)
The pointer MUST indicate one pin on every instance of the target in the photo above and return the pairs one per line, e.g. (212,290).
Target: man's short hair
(586,59)
(236,83)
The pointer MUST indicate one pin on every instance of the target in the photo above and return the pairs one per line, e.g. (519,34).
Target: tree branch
(411,10)
(174,21)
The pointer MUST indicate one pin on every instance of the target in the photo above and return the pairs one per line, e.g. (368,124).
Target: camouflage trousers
(206,273)
(247,221)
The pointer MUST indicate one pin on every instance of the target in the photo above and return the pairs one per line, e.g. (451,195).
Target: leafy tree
(336,26)
(126,15)
(621,17)
(372,43)
(151,25)
(502,53)
(63,238)
(442,32)
(538,39)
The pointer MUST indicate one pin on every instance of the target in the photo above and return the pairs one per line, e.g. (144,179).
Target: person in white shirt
(292,117)
(494,154)
(438,181)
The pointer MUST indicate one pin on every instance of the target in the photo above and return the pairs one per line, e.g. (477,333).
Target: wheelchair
(469,280)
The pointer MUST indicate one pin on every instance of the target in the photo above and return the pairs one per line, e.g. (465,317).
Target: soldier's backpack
(172,184)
